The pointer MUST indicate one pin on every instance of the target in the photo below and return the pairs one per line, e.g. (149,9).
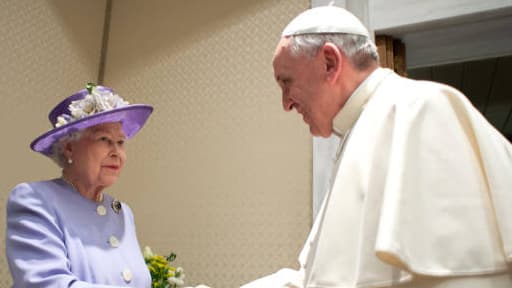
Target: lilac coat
(57,238)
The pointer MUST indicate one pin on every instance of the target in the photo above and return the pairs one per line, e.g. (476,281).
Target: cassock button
(101,210)
(127,275)
(113,241)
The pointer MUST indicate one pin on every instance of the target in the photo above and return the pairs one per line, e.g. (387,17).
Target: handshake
(284,278)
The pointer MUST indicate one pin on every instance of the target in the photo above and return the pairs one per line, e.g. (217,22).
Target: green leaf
(89,87)
(171,257)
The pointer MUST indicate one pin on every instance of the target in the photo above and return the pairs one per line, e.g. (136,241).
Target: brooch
(116,206)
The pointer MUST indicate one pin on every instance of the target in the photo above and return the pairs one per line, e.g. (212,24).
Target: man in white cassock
(422,192)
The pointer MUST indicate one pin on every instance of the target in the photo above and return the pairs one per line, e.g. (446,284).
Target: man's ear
(332,60)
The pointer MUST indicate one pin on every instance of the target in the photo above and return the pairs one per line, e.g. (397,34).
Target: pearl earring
(70,161)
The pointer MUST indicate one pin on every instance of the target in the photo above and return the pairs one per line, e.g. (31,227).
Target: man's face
(305,88)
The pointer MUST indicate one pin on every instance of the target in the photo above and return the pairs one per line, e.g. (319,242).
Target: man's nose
(287,103)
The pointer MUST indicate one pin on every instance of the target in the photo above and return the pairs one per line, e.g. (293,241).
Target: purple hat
(88,107)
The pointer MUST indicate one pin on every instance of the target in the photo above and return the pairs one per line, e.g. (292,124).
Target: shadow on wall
(81,36)
(197,19)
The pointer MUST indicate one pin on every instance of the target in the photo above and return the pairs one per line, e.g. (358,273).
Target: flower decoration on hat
(94,102)
(89,107)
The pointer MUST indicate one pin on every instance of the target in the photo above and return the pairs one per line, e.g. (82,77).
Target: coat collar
(355,104)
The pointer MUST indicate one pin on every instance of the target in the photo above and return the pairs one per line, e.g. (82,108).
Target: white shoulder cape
(424,187)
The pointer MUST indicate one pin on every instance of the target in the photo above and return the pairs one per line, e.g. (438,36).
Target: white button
(127,275)
(113,241)
(101,210)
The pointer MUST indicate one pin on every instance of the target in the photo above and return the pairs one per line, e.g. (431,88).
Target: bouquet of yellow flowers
(163,274)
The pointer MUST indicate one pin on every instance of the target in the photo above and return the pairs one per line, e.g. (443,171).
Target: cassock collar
(355,104)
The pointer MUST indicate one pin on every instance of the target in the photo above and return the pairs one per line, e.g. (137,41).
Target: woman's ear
(332,60)
(68,149)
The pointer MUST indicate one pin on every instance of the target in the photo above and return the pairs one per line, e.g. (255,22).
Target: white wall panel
(438,31)
(398,13)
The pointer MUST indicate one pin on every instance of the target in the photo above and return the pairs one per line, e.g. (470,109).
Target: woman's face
(98,156)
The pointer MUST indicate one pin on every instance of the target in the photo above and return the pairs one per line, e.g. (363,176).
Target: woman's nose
(114,150)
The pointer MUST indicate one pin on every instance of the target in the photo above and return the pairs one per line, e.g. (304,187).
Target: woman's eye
(105,139)
(120,142)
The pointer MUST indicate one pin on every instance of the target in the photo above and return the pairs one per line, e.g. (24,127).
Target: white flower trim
(147,253)
(97,101)
(178,279)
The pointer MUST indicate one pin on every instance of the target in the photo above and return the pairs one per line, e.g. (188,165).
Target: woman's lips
(113,167)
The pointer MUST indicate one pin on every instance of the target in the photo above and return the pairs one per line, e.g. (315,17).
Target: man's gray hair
(359,49)
(57,149)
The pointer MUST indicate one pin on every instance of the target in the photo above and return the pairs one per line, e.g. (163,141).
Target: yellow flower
(163,274)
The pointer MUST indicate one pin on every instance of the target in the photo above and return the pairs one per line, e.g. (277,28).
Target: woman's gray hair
(359,49)
(57,149)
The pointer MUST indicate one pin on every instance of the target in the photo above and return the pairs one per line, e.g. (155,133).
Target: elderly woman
(67,232)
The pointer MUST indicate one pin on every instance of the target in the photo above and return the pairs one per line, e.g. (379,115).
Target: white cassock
(422,196)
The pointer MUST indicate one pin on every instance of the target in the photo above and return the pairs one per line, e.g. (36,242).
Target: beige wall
(220,175)
(47,50)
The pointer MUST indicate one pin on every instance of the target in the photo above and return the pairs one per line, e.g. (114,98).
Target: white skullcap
(325,19)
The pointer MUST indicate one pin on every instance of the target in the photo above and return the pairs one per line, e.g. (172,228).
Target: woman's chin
(108,181)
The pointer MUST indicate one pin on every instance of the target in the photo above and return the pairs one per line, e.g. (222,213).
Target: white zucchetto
(325,19)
